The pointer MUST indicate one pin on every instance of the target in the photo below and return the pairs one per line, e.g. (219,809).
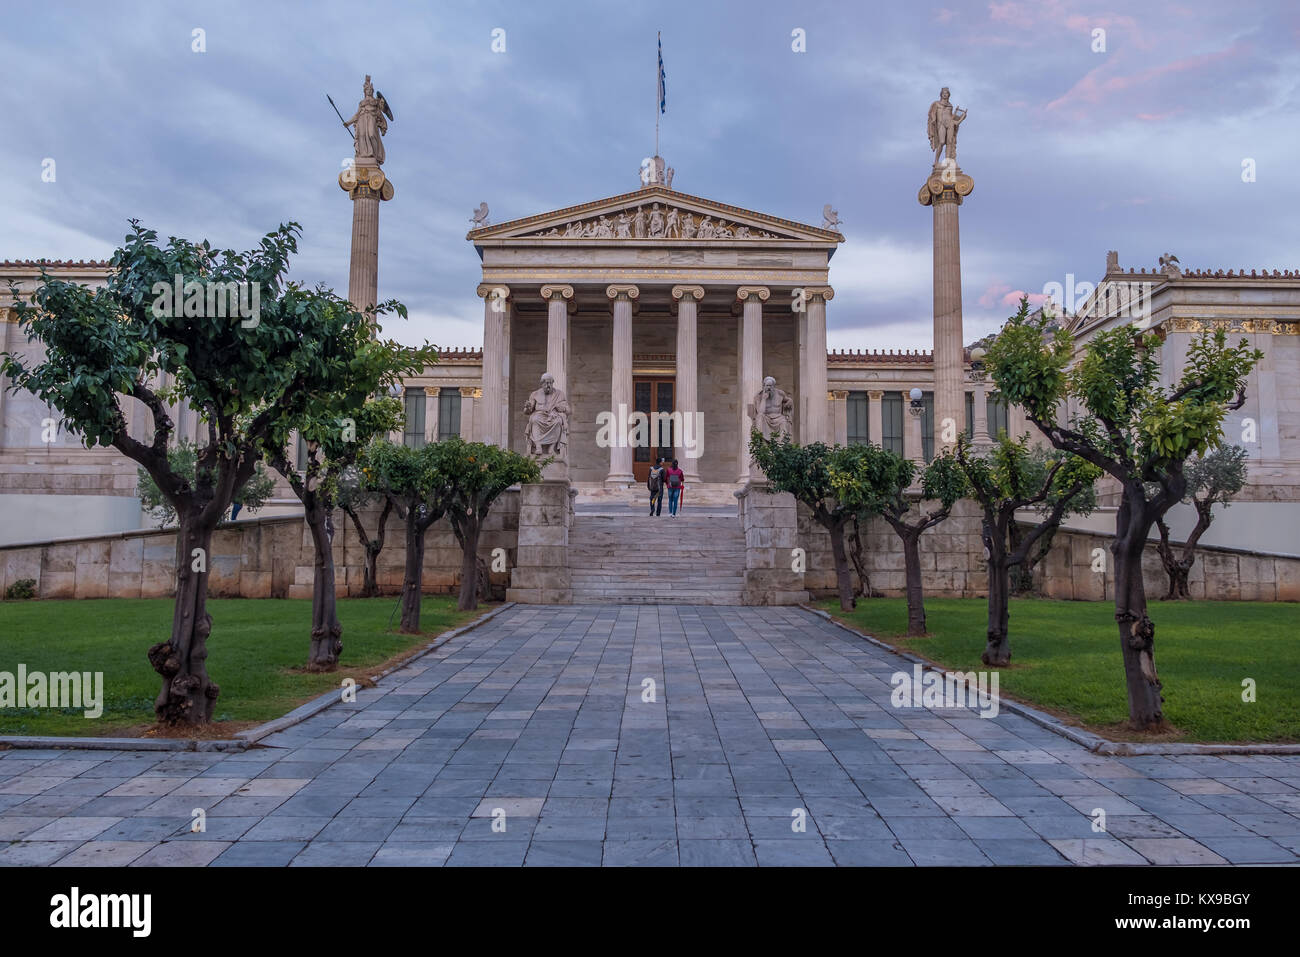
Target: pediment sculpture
(653,221)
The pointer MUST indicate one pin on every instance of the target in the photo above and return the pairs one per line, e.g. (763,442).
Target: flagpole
(659,37)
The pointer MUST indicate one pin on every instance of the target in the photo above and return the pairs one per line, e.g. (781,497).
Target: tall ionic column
(944,191)
(840,417)
(557,333)
(980,418)
(467,396)
(812,377)
(431,393)
(620,385)
(686,299)
(913,445)
(494,426)
(366,186)
(875,417)
(751,299)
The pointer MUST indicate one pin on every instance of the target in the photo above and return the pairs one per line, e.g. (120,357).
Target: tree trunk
(859,560)
(326,630)
(997,648)
(915,596)
(843,578)
(469,564)
(1167,558)
(188,695)
(1136,630)
(413,579)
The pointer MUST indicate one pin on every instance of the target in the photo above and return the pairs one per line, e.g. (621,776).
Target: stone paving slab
(767,738)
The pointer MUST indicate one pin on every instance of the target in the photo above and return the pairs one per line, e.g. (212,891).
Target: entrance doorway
(653,394)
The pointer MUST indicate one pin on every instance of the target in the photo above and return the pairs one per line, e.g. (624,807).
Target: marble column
(431,393)
(751,299)
(620,386)
(812,377)
(944,191)
(913,447)
(467,396)
(494,426)
(366,186)
(686,299)
(840,417)
(875,417)
(980,416)
(557,333)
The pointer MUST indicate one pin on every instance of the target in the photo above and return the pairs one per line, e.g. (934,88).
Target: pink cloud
(1096,88)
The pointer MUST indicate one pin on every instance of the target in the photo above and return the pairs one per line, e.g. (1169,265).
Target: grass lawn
(255,654)
(1065,659)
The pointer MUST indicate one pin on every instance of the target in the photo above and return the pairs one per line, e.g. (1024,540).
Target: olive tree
(226,332)
(1212,479)
(804,472)
(876,481)
(1005,480)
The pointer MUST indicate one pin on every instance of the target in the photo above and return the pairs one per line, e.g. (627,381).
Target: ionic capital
(875,395)
(494,290)
(761,292)
(839,395)
(552,292)
(818,293)
(623,291)
(470,392)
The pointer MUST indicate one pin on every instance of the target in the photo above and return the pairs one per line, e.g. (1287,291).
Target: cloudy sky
(1074,151)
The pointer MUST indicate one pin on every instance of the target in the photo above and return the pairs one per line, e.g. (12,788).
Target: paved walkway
(757,713)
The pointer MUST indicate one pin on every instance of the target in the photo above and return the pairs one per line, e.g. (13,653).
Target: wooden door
(652,394)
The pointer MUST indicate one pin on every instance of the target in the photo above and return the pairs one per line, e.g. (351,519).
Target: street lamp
(977,372)
(917,406)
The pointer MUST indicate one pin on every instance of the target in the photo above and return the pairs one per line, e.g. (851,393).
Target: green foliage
(184,461)
(475,474)
(452,476)
(801,470)
(1013,474)
(21,590)
(334,441)
(251,379)
(1129,425)
(870,480)
(1214,478)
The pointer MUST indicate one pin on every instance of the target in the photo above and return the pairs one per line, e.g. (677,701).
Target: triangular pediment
(655,214)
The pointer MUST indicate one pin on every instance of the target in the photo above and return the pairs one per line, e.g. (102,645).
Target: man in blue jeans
(675,479)
(655,483)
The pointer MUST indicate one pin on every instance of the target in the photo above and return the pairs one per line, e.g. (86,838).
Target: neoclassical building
(658,301)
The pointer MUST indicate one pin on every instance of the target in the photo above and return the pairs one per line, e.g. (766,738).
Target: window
(970,416)
(891,422)
(448,413)
(927,425)
(858,433)
(413,435)
(997,412)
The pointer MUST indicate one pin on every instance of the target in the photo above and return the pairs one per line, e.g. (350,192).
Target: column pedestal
(541,574)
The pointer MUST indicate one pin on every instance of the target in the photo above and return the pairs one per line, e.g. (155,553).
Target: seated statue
(773,411)
(548,421)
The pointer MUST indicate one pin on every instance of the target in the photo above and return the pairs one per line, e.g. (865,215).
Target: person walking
(655,483)
(675,479)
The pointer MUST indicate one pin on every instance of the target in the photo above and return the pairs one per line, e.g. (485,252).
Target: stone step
(652,587)
(712,598)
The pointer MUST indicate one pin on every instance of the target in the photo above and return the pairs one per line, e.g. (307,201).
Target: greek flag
(663,92)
